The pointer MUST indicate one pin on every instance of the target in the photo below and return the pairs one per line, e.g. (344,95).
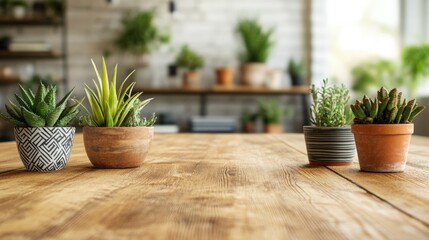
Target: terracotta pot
(329,146)
(225,76)
(273,128)
(254,74)
(117,147)
(382,147)
(191,79)
(249,127)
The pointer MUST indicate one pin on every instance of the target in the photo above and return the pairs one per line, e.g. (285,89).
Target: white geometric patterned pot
(44,149)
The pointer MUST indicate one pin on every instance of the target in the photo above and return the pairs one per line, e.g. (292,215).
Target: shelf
(29,55)
(9,80)
(298,90)
(30,21)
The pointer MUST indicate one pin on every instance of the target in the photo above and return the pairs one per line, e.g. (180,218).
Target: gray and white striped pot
(44,149)
(329,146)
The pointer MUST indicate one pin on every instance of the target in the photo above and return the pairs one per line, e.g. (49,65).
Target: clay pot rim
(116,127)
(383,129)
(327,128)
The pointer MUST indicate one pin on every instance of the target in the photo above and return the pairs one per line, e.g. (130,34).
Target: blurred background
(219,65)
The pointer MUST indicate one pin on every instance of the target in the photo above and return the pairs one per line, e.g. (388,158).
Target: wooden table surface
(215,187)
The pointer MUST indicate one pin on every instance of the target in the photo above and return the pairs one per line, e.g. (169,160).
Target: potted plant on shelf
(140,37)
(382,129)
(43,131)
(257,46)
(329,139)
(114,134)
(248,121)
(191,61)
(225,76)
(296,72)
(271,113)
(19,8)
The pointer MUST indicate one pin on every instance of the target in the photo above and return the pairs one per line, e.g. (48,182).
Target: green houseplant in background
(329,139)
(271,113)
(408,74)
(296,72)
(141,36)
(258,44)
(43,127)
(191,61)
(115,135)
(382,129)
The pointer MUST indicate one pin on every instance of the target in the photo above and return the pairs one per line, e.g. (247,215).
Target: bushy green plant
(40,109)
(111,107)
(270,111)
(410,72)
(21,3)
(189,59)
(295,68)
(257,41)
(140,34)
(330,106)
(386,108)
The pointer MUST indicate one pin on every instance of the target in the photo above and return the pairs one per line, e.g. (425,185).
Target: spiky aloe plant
(40,109)
(111,107)
(386,108)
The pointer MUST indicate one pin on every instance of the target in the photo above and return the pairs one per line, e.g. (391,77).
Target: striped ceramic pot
(44,149)
(329,146)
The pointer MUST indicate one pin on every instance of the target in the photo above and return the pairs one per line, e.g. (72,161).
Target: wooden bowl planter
(225,76)
(329,146)
(382,147)
(117,147)
(191,79)
(44,149)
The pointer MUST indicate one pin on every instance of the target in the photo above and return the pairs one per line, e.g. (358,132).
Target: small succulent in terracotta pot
(114,134)
(382,129)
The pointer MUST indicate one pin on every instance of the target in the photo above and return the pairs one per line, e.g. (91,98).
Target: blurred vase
(191,79)
(225,76)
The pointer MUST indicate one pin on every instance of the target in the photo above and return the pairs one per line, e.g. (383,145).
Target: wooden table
(215,187)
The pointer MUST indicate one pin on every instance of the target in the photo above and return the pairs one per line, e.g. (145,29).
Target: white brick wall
(206,25)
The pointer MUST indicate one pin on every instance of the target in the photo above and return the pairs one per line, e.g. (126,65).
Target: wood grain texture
(229,186)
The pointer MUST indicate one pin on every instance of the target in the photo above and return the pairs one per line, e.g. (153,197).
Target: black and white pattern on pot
(325,144)
(44,149)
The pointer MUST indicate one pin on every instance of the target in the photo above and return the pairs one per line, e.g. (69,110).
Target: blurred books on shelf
(213,124)
(30,47)
(171,128)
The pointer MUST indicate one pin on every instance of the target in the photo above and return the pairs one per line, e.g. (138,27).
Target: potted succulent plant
(191,61)
(382,129)
(296,72)
(271,113)
(114,133)
(43,131)
(257,46)
(329,139)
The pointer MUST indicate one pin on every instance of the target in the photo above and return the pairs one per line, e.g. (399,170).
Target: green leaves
(330,106)
(40,109)
(110,107)
(270,111)
(187,58)
(257,41)
(386,108)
